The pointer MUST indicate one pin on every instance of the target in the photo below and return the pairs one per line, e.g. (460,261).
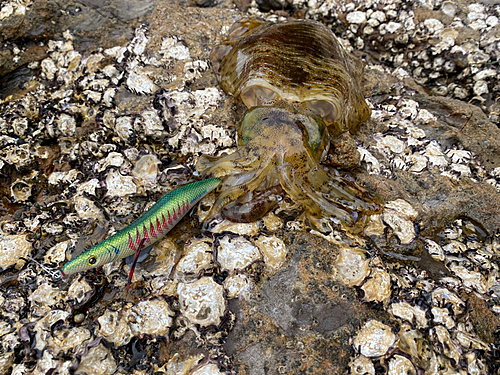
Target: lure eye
(92,260)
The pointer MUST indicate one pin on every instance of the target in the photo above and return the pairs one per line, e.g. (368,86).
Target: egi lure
(146,230)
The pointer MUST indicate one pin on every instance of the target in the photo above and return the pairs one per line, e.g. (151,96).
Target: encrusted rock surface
(106,106)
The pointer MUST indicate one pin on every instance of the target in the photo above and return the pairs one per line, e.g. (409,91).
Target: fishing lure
(146,230)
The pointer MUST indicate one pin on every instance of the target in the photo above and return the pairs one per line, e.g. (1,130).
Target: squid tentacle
(232,193)
(242,159)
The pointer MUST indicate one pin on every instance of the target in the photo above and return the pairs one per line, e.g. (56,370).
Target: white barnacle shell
(20,190)
(378,286)
(113,326)
(450,348)
(19,156)
(152,317)
(173,48)
(12,248)
(409,313)
(66,125)
(44,298)
(20,125)
(57,178)
(87,209)
(49,68)
(202,302)
(108,97)
(114,159)
(119,185)
(236,253)
(442,296)
(43,327)
(434,250)
(237,285)
(150,124)
(401,365)
(373,165)
(139,43)
(146,169)
(73,60)
(123,127)
(197,256)
(99,360)
(57,253)
(399,215)
(471,279)
(93,62)
(138,80)
(435,155)
(273,249)
(375,339)
(362,366)
(208,369)
(69,340)
(351,266)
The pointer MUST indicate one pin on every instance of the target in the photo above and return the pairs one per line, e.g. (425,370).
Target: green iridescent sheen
(150,227)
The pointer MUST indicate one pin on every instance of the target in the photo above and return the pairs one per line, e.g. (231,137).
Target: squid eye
(92,260)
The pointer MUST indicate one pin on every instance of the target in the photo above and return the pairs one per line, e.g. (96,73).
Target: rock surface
(107,105)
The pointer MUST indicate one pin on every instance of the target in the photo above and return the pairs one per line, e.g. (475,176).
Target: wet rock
(97,106)
(295,308)
(485,322)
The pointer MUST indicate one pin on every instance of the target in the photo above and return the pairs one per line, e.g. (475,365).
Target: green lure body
(146,230)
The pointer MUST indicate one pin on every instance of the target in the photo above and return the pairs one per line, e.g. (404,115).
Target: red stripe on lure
(130,240)
(152,230)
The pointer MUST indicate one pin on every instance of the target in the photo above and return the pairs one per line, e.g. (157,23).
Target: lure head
(83,262)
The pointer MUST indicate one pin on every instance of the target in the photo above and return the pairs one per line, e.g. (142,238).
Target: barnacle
(297,82)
